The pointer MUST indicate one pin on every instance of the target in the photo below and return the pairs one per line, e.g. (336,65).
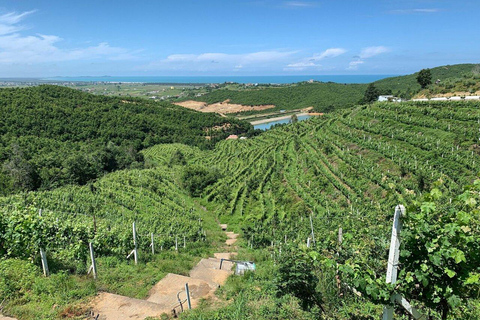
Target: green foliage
(295,275)
(424,78)
(441,243)
(177,158)
(196,178)
(371,94)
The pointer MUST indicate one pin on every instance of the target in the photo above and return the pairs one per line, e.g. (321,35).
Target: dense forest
(51,136)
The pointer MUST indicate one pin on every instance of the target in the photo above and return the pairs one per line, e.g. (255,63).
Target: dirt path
(164,297)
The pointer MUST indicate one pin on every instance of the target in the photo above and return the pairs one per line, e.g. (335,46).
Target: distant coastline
(222,79)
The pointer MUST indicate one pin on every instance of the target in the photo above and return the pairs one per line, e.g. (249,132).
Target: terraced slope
(346,169)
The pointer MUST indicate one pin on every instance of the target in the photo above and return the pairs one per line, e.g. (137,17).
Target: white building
(389,98)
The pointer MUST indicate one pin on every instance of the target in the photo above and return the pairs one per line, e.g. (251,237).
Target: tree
(371,94)
(294,119)
(424,78)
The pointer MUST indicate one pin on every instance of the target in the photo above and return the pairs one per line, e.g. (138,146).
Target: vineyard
(332,182)
(349,170)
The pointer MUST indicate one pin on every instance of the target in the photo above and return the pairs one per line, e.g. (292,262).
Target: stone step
(2,317)
(113,306)
(164,293)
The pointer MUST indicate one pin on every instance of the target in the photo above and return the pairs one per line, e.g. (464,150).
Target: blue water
(222,79)
(268,125)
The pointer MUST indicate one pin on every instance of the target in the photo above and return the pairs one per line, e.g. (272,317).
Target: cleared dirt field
(221,107)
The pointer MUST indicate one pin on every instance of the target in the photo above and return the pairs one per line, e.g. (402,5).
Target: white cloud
(366,53)
(300,4)
(353,65)
(219,61)
(39,48)
(309,63)
(413,11)
(373,51)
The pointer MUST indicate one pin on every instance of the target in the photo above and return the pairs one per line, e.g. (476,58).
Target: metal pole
(176,243)
(92,257)
(188,296)
(184,242)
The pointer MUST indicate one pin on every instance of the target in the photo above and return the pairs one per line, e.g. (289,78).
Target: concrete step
(209,270)
(2,317)
(230,242)
(231,235)
(225,255)
(113,306)
(164,293)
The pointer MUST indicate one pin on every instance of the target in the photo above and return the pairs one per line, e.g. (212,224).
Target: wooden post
(152,244)
(184,242)
(93,267)
(393,255)
(176,243)
(188,296)
(43,255)
(135,252)
(340,236)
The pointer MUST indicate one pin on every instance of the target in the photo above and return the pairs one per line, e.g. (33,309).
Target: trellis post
(188,296)
(152,244)
(134,251)
(311,226)
(43,255)
(392,268)
(93,267)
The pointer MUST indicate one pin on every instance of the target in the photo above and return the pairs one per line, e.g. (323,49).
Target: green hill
(408,84)
(322,96)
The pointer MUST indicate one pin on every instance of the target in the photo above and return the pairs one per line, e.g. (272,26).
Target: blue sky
(233,37)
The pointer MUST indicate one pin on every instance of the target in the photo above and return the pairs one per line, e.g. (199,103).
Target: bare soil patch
(221,107)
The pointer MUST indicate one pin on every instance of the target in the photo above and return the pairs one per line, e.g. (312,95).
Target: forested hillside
(323,96)
(51,136)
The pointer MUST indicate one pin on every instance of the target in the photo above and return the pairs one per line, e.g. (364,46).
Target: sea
(222,79)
